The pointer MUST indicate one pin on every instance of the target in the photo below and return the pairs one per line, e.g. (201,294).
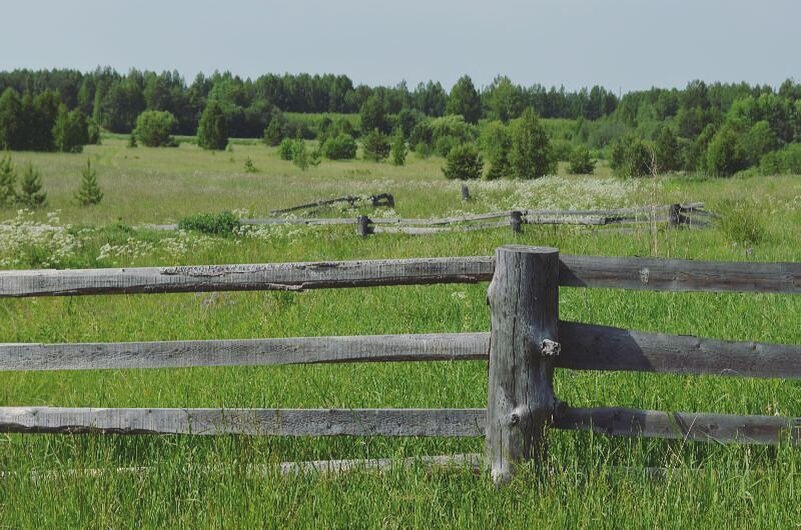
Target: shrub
(89,191)
(93,132)
(71,131)
(212,130)
(581,162)
(785,161)
(153,128)
(668,152)
(301,156)
(373,115)
(463,163)
(376,146)
(340,147)
(562,150)
(32,195)
(632,157)
(398,149)
(132,141)
(274,132)
(496,142)
(224,223)
(286,149)
(8,181)
(725,155)
(531,155)
(250,167)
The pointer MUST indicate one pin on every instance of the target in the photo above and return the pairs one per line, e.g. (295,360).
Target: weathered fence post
(516,221)
(675,215)
(365,225)
(524,302)
(465,193)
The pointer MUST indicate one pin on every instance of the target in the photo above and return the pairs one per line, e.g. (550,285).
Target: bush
(632,157)
(250,167)
(286,149)
(224,223)
(725,155)
(8,181)
(301,156)
(463,163)
(154,128)
(32,195)
(581,162)
(93,132)
(668,152)
(71,131)
(562,150)
(398,149)
(340,147)
(531,155)
(376,146)
(786,161)
(212,130)
(89,191)
(496,142)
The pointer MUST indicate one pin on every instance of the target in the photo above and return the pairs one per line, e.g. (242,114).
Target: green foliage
(274,132)
(725,155)
(92,132)
(302,157)
(562,149)
(340,147)
(375,146)
(667,149)
(632,156)
(11,122)
(531,155)
(225,223)
(786,161)
(758,141)
(496,142)
(212,131)
(250,167)
(89,190)
(8,181)
(506,100)
(464,100)
(286,149)
(581,161)
(71,130)
(740,221)
(132,141)
(32,195)
(154,128)
(373,116)
(463,163)
(398,149)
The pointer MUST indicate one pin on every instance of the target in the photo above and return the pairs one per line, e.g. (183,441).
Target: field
(591,481)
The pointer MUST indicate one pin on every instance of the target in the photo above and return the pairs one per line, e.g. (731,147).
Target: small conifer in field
(398,149)
(8,179)
(32,195)
(89,191)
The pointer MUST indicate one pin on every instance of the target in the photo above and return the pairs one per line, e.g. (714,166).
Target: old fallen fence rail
(526,342)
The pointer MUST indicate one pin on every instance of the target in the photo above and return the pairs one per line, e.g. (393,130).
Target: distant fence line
(524,345)
(692,215)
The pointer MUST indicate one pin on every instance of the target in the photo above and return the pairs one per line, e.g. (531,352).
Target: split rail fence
(526,342)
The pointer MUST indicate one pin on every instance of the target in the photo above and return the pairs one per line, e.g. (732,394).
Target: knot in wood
(550,348)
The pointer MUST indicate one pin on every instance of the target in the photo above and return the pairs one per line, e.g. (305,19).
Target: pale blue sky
(622,44)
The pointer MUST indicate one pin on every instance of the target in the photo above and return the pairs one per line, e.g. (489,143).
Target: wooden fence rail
(525,344)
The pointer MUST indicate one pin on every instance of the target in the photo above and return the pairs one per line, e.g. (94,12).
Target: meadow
(589,480)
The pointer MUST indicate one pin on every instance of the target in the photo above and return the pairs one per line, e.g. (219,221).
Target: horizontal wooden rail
(265,422)
(253,352)
(279,276)
(590,347)
(654,274)
(615,421)
(575,271)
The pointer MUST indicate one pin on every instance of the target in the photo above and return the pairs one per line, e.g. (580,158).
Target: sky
(621,44)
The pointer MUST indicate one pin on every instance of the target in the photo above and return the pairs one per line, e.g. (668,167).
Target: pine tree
(531,155)
(212,130)
(89,191)
(8,179)
(398,149)
(32,195)
(375,146)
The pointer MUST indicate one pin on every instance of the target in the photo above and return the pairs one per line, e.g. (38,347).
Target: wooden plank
(314,204)
(279,276)
(617,421)
(590,347)
(524,303)
(262,422)
(655,274)
(253,352)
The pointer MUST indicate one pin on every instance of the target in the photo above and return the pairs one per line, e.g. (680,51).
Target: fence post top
(517,249)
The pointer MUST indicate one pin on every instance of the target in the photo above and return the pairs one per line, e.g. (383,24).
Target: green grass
(586,483)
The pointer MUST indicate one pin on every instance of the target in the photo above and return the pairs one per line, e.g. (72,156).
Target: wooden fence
(526,342)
